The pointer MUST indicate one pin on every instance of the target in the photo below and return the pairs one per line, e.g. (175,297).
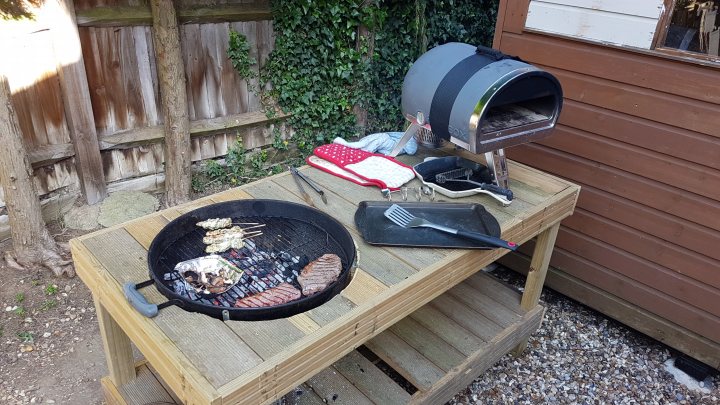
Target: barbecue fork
(400,216)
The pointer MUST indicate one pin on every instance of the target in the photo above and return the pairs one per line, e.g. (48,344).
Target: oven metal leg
(118,350)
(544,245)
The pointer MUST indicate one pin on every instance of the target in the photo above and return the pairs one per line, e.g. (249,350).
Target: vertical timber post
(171,77)
(60,15)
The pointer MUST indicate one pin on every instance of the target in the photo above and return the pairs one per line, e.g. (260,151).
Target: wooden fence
(120,76)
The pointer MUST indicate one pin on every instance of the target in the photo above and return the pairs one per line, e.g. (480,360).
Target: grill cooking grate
(277,256)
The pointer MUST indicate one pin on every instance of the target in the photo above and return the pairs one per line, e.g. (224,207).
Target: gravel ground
(579,356)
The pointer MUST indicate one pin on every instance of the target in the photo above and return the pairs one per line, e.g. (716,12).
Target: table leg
(118,350)
(544,245)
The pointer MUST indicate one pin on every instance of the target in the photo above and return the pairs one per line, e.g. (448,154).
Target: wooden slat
(593,24)
(651,249)
(407,361)
(500,292)
(500,24)
(484,305)
(304,396)
(674,283)
(363,287)
(670,308)
(331,310)
(48,154)
(676,230)
(334,388)
(643,8)
(682,112)
(462,375)
(200,127)
(76,99)
(267,338)
(447,329)
(674,172)
(638,69)
(148,184)
(466,317)
(515,15)
(643,320)
(664,198)
(147,74)
(650,135)
(370,380)
(145,389)
(145,229)
(129,16)
(431,346)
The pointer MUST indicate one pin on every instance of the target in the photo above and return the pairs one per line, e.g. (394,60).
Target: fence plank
(228,123)
(129,16)
(76,96)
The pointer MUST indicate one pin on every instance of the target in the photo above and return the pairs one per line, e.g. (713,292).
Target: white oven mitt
(382,142)
(361,167)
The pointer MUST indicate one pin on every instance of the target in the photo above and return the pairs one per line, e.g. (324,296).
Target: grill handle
(138,300)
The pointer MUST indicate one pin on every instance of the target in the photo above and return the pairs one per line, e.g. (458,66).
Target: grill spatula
(400,216)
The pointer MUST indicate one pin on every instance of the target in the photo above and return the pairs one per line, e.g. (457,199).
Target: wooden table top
(208,361)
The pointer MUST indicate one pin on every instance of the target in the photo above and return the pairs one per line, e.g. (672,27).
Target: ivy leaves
(322,67)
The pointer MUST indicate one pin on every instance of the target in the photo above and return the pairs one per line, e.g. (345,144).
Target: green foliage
(51,289)
(20,311)
(467,21)
(48,304)
(321,67)
(240,166)
(19,297)
(26,337)
(317,69)
(239,54)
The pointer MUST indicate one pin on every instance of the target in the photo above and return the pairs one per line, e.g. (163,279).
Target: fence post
(171,77)
(76,99)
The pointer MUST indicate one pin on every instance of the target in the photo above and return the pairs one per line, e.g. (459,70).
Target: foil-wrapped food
(210,274)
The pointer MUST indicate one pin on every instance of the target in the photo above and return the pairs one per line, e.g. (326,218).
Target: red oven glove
(361,167)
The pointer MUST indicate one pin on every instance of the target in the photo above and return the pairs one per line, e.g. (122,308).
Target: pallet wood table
(427,312)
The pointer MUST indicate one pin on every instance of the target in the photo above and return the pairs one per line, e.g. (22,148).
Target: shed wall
(641,134)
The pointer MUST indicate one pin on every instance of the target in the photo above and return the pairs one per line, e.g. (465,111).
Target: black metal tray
(378,230)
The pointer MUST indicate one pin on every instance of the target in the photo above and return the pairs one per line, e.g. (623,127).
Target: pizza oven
(480,100)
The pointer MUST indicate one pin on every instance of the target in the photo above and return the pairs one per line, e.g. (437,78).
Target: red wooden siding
(641,134)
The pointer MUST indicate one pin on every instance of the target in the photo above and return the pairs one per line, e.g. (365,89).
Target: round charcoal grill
(293,236)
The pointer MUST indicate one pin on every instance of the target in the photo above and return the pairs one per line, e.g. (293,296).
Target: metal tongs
(297,175)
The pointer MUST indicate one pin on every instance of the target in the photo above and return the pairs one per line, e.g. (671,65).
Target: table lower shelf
(426,357)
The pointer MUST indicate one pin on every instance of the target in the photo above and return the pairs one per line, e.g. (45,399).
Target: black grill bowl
(299,231)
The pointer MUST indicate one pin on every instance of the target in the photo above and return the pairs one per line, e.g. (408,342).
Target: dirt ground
(50,347)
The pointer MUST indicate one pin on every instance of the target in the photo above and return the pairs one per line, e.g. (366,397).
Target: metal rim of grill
(293,236)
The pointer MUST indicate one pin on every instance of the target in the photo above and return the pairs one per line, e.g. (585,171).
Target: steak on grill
(319,273)
(277,295)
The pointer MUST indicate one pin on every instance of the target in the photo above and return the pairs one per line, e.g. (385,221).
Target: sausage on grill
(277,295)
(320,273)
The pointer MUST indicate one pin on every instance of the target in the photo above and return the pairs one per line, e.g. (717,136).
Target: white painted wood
(639,8)
(611,22)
